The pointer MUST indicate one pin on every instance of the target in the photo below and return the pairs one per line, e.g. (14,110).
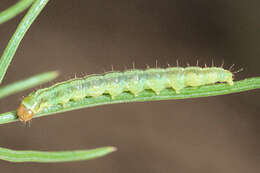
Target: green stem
(147,95)
(27,83)
(22,28)
(14,10)
(57,156)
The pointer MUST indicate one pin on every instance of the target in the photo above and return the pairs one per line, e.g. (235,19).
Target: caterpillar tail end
(230,82)
(24,113)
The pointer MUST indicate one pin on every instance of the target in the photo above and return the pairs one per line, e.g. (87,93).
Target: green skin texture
(134,81)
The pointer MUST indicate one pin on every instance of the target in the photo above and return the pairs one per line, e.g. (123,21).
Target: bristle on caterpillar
(114,83)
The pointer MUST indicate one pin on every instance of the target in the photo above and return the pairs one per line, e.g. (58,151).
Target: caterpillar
(114,83)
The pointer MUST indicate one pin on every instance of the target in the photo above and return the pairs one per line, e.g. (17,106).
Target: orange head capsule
(24,113)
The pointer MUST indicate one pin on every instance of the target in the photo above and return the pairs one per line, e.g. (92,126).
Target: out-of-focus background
(216,134)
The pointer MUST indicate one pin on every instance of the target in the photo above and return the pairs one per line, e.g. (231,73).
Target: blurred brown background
(216,134)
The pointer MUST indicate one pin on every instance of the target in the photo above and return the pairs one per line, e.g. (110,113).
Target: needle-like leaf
(17,37)
(147,95)
(14,10)
(27,83)
(57,156)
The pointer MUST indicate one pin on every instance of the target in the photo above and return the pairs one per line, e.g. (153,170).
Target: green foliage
(64,156)
(33,156)
(27,83)
(14,10)
(17,37)
(58,156)
(147,95)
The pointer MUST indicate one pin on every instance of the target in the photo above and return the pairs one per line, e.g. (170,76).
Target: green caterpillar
(114,83)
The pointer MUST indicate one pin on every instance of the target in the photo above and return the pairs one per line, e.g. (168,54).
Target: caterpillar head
(24,113)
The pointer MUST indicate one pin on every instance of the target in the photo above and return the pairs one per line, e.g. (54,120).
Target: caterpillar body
(114,83)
